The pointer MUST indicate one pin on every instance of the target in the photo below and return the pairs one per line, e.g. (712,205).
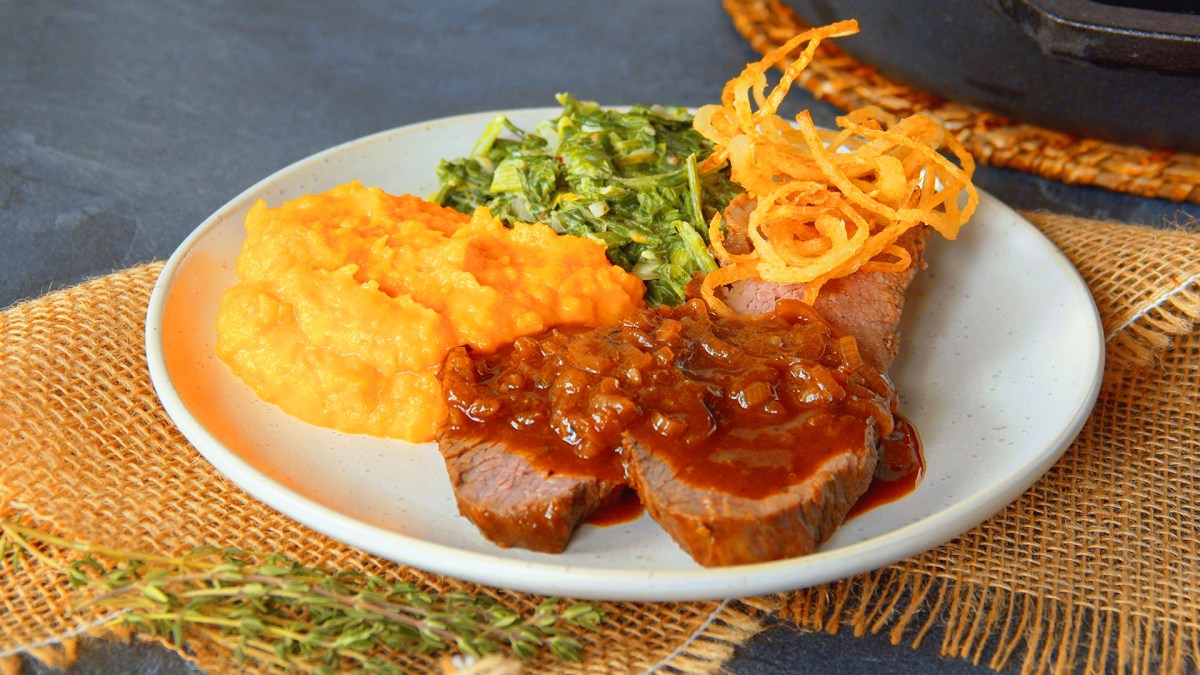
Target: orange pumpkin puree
(348,301)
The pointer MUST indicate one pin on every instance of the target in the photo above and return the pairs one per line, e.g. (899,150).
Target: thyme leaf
(270,609)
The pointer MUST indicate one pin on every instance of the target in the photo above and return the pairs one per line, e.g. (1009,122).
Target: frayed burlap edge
(704,652)
(728,627)
(994,624)
(997,627)
(987,624)
(58,648)
(708,644)
(105,314)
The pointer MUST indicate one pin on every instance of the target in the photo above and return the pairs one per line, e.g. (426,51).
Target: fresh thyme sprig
(274,610)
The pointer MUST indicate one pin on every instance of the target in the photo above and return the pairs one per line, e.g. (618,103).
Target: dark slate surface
(124,124)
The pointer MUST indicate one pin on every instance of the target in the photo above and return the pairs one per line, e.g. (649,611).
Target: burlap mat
(1095,566)
(847,83)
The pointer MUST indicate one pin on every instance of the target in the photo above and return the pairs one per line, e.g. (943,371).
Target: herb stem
(389,612)
(272,627)
(263,651)
(21,534)
(191,617)
(272,610)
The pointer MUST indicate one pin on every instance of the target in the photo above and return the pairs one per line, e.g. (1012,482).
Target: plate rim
(556,579)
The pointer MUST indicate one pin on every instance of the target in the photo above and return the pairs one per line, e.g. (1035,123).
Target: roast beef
(867,305)
(512,501)
(721,527)
(747,439)
(768,463)
(514,474)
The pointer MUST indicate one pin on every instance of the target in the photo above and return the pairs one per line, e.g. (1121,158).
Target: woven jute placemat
(848,83)
(1094,567)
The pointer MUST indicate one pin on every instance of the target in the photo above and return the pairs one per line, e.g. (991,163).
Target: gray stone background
(124,124)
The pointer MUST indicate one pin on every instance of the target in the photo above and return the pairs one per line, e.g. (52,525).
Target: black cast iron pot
(1120,70)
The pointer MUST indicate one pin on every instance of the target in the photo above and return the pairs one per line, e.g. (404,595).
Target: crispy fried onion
(827,203)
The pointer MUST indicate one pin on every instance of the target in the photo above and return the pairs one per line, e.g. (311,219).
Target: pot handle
(1115,33)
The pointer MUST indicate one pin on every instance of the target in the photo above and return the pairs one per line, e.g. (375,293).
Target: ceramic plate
(1000,364)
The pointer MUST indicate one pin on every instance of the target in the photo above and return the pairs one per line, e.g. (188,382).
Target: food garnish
(745,405)
(747,436)
(272,611)
(828,202)
(628,179)
(730,428)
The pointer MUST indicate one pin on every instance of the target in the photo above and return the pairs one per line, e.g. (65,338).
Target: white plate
(1001,362)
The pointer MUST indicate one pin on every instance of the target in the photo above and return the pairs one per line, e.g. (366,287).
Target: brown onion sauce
(901,468)
(746,407)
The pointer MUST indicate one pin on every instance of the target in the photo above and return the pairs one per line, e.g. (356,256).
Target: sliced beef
(867,305)
(747,439)
(766,464)
(526,457)
(719,526)
(512,501)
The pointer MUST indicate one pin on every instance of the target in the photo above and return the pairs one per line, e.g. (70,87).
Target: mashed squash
(348,301)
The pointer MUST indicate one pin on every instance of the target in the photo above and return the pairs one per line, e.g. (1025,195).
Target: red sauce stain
(901,467)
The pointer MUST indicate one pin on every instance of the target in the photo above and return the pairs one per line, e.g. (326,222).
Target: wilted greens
(628,179)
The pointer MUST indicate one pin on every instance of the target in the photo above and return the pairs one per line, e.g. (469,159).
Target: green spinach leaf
(627,179)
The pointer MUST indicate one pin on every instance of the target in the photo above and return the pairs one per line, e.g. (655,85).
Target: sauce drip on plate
(745,406)
(625,510)
(900,469)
